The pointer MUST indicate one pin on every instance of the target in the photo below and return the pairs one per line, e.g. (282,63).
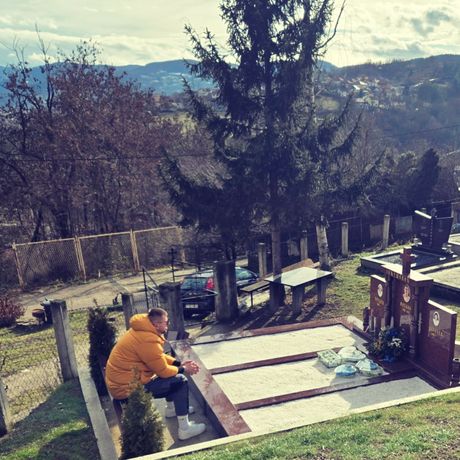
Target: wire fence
(8,270)
(29,366)
(89,257)
(29,360)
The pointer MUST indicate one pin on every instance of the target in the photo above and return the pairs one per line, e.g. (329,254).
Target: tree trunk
(323,247)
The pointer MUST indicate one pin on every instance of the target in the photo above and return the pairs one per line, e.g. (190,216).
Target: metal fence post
(5,414)
(64,341)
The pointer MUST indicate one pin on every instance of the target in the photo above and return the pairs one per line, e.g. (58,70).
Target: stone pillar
(345,239)
(64,341)
(386,231)
(321,291)
(276,296)
(227,298)
(304,246)
(170,299)
(262,257)
(5,414)
(127,300)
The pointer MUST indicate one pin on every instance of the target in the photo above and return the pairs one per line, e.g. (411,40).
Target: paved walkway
(102,292)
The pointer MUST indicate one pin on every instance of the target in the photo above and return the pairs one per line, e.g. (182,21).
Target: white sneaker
(193,429)
(171,411)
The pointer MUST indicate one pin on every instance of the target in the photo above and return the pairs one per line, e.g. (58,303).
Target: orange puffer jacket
(140,348)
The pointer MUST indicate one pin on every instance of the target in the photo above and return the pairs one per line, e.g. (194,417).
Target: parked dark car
(198,290)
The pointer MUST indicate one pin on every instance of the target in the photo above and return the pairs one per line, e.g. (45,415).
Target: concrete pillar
(171,301)
(262,257)
(5,414)
(345,239)
(304,246)
(276,296)
(227,298)
(127,300)
(64,341)
(386,231)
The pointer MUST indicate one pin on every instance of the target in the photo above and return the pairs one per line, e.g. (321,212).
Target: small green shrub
(9,311)
(101,342)
(142,429)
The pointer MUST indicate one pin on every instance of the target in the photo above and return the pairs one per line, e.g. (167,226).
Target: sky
(143,31)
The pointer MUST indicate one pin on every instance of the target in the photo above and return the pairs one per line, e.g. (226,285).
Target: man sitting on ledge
(141,347)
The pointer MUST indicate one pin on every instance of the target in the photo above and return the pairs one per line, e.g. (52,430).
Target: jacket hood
(141,322)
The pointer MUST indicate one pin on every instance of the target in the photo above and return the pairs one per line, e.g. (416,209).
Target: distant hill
(444,66)
(164,77)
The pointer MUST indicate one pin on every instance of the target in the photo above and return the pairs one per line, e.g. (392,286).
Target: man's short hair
(157,313)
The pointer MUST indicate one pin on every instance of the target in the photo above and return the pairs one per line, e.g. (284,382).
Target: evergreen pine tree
(102,340)
(142,426)
(276,160)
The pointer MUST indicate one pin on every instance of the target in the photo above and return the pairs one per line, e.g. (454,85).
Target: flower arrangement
(390,344)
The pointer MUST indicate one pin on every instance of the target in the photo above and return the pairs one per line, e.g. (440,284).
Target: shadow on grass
(58,426)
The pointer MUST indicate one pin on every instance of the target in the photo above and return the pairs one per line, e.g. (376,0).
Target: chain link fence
(154,245)
(107,254)
(8,271)
(45,262)
(29,360)
(29,366)
(87,257)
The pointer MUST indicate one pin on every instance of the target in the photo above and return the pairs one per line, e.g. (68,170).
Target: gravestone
(437,339)
(401,299)
(432,231)
(379,293)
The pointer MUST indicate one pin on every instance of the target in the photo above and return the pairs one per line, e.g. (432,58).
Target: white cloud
(141,31)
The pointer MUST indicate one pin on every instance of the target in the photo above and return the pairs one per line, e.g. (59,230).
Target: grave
(431,251)
(401,299)
(243,383)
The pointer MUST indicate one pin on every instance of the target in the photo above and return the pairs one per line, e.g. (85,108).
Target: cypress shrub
(142,429)
(101,342)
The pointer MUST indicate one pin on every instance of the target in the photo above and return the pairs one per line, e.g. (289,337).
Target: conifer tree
(277,159)
(142,426)
(101,342)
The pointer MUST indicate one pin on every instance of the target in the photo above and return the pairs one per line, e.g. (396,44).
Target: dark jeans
(173,389)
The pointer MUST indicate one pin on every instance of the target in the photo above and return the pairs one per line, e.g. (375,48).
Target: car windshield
(193,283)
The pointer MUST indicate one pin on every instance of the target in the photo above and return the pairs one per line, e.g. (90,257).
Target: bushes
(9,311)
(101,342)
(142,426)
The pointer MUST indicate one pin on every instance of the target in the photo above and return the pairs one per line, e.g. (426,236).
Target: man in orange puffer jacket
(141,349)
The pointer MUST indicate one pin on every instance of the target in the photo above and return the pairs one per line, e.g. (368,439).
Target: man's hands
(190,367)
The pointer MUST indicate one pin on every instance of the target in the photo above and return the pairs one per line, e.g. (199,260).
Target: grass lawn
(59,429)
(422,430)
